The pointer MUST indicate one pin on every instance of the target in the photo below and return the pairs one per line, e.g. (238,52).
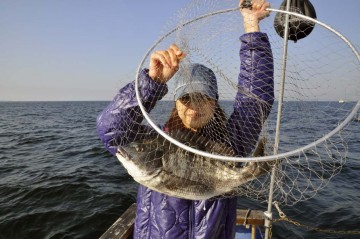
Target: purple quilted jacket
(161,216)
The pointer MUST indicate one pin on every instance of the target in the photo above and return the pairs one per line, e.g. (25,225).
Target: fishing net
(305,139)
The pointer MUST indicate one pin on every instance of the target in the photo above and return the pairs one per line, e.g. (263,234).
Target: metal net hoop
(277,156)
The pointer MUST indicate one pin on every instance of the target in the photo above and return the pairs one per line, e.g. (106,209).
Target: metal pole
(268,213)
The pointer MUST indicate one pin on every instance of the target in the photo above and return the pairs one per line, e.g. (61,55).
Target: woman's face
(195,110)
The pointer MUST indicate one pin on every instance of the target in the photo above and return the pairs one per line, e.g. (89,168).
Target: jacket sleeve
(120,122)
(255,94)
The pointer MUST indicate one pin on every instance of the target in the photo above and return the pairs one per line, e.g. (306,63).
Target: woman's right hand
(164,64)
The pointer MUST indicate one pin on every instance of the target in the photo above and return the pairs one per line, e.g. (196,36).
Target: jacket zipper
(252,67)
(191,221)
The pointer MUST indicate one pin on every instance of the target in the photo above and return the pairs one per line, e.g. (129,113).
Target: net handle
(246,159)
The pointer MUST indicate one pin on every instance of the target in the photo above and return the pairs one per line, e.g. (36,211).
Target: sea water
(58,181)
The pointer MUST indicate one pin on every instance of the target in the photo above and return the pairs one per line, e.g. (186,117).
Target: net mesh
(321,90)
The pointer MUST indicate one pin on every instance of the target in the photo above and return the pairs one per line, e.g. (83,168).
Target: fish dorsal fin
(200,142)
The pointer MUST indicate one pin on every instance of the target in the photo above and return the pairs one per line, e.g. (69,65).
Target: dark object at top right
(298,27)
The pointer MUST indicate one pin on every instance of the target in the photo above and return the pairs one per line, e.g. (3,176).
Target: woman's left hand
(252,16)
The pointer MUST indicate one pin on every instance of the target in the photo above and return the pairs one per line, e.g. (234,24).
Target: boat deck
(249,223)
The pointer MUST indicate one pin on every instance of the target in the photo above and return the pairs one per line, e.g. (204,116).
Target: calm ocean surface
(57,180)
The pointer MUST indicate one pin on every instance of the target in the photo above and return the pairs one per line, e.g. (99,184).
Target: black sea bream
(167,168)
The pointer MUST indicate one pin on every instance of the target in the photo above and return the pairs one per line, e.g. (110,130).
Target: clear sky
(86,49)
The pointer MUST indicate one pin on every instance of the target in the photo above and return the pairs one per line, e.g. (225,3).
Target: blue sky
(86,50)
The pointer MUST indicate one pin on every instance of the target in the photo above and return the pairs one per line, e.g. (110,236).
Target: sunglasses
(195,97)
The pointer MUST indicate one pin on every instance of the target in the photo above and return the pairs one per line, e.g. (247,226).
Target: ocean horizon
(58,180)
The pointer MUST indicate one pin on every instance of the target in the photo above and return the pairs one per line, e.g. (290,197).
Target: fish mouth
(123,153)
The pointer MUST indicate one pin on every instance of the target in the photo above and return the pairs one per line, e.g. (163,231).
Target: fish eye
(138,148)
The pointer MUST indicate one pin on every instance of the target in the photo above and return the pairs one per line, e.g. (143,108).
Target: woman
(196,109)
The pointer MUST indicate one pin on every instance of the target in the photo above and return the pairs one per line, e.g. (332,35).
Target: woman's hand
(252,16)
(164,64)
